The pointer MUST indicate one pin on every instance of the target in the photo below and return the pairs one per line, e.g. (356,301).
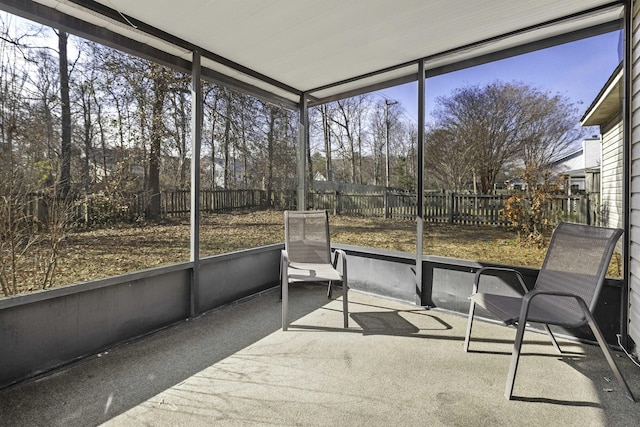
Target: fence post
(452,202)
(476,210)
(386,203)
(584,210)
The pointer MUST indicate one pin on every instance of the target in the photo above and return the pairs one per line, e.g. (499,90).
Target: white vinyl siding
(611,202)
(634,232)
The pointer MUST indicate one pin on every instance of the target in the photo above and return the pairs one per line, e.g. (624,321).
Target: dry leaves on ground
(100,253)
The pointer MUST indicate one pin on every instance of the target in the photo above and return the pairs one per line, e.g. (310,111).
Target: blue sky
(577,70)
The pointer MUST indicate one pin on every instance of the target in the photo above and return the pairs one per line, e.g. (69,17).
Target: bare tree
(160,80)
(45,118)
(64,180)
(226,139)
(272,149)
(379,137)
(548,130)
(405,176)
(326,134)
(347,120)
(211,102)
(448,159)
(249,127)
(501,123)
(178,128)
(352,137)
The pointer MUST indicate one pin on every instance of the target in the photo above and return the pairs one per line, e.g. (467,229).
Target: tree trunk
(270,152)
(64,181)
(86,110)
(227,143)
(103,142)
(327,142)
(159,93)
(213,143)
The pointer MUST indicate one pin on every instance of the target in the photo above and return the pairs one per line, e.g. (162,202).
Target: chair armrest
(342,254)
(338,253)
(534,293)
(483,270)
(284,263)
(529,296)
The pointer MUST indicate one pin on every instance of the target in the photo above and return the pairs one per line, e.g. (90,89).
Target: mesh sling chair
(307,257)
(565,292)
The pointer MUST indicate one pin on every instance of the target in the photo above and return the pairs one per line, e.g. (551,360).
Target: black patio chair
(307,257)
(565,292)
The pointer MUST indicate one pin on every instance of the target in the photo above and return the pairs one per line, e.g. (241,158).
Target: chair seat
(507,309)
(312,272)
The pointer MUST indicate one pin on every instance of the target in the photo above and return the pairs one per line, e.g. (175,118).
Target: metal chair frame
(531,295)
(324,270)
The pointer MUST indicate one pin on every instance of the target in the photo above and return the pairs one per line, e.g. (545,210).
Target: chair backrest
(576,262)
(307,236)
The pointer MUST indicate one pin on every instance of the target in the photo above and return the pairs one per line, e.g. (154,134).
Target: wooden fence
(103,208)
(452,207)
(388,204)
(438,207)
(178,202)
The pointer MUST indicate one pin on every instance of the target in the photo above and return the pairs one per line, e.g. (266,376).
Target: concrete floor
(395,365)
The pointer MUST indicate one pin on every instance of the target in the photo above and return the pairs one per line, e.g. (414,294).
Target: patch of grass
(94,254)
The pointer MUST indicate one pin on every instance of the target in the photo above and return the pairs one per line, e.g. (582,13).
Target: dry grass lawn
(105,252)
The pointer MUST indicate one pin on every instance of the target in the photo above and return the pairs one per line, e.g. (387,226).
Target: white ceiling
(309,44)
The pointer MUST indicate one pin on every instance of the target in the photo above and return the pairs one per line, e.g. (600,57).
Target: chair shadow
(565,355)
(382,322)
(394,324)
(385,323)
(556,401)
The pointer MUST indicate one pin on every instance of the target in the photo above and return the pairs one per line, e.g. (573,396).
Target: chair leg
(285,304)
(345,291)
(280,279)
(553,338)
(284,295)
(607,353)
(515,358)
(345,302)
(467,338)
(330,290)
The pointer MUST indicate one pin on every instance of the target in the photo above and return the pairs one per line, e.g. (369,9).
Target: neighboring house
(236,174)
(515,184)
(319,177)
(581,167)
(606,112)
(105,163)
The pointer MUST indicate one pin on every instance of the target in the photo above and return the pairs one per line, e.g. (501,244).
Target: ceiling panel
(309,45)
